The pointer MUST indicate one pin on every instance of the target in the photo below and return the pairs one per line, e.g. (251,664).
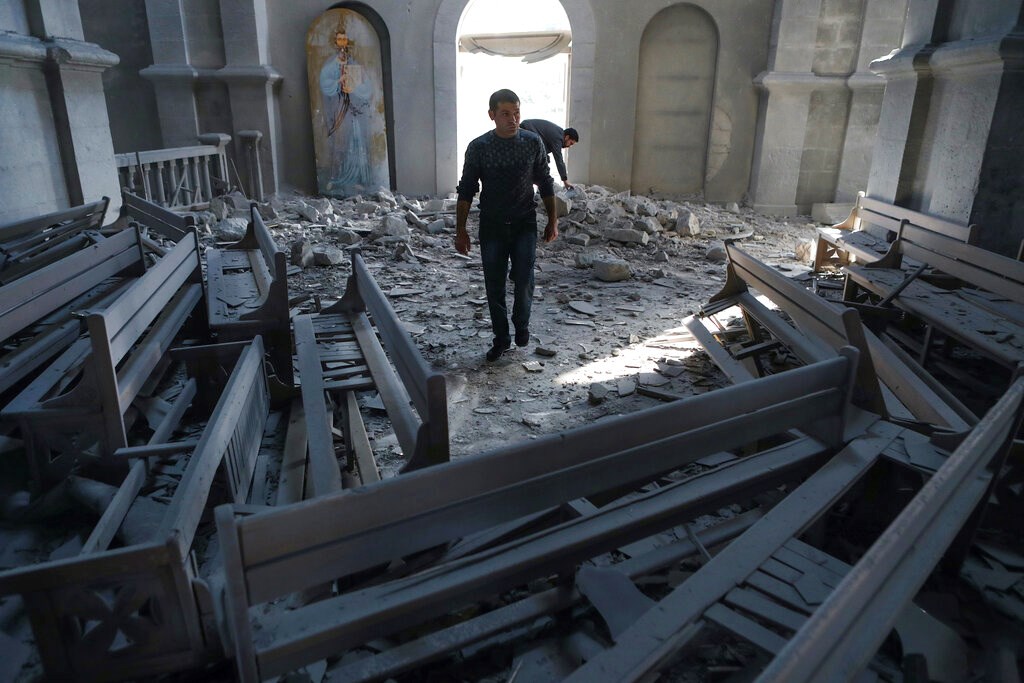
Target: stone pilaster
(786,90)
(251,82)
(172,76)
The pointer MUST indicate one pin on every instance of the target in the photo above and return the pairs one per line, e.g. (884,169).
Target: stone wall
(55,145)
(949,141)
(821,104)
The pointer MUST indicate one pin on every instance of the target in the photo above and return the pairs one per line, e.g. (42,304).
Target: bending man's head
(570,137)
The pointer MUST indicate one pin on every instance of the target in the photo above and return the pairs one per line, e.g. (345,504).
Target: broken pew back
(164,222)
(127,341)
(423,434)
(247,284)
(268,555)
(873,225)
(45,291)
(882,374)
(30,244)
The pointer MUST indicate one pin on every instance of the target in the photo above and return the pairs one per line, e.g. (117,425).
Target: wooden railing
(181,177)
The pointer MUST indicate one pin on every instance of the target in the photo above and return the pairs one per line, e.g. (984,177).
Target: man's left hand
(551,231)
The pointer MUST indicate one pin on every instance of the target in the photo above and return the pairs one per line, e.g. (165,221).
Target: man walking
(508,163)
(555,140)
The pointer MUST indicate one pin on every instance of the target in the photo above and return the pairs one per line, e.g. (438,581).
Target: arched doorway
(675,94)
(527,51)
(581,95)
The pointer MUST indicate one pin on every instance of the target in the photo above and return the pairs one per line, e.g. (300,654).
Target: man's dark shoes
(494,353)
(522,337)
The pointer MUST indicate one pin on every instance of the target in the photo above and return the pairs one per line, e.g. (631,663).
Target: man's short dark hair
(503,95)
(573,135)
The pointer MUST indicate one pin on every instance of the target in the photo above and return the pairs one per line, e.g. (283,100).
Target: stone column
(949,140)
(786,90)
(904,109)
(172,76)
(72,71)
(251,81)
(881,33)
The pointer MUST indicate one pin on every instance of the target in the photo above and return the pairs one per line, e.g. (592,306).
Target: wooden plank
(293,460)
(392,390)
(323,463)
(761,606)
(733,369)
(359,443)
(29,298)
(189,500)
(980,267)
(750,631)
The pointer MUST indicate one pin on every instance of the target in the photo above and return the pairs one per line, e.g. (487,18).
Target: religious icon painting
(346,93)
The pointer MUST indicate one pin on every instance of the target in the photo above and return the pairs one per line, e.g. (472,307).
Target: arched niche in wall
(349,68)
(675,97)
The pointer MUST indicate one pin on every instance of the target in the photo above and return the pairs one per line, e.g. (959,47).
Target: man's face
(506,119)
(567,141)
(340,40)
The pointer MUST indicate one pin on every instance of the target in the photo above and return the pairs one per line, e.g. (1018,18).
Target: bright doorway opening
(525,47)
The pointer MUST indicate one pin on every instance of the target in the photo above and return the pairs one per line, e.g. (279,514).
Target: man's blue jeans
(502,244)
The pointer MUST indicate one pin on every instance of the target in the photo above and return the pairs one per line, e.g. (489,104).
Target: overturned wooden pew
(359,344)
(118,613)
(28,245)
(36,310)
(127,342)
(269,555)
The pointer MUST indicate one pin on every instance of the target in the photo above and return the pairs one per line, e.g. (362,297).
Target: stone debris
(625,268)
(611,269)
(598,393)
(583,307)
(231,229)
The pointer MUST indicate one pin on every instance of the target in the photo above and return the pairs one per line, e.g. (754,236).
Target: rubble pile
(610,296)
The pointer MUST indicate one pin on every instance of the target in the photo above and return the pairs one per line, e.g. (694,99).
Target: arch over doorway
(675,98)
(581,77)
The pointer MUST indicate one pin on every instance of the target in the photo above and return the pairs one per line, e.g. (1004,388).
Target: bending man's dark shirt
(553,138)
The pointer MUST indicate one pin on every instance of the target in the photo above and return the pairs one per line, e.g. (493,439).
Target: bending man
(508,163)
(555,140)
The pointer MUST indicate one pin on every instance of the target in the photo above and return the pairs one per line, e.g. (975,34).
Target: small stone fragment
(598,393)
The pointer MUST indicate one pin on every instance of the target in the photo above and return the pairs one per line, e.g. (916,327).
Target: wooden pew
(247,285)
(36,308)
(352,335)
(985,313)
(269,555)
(127,342)
(870,228)
(148,592)
(887,382)
(30,244)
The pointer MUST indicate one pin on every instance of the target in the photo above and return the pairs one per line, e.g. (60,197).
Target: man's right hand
(462,242)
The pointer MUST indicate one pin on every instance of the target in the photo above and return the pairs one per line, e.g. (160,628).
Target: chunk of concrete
(610,269)
(687,223)
(327,255)
(628,236)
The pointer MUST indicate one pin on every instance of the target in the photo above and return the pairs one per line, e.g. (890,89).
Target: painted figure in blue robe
(347,92)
